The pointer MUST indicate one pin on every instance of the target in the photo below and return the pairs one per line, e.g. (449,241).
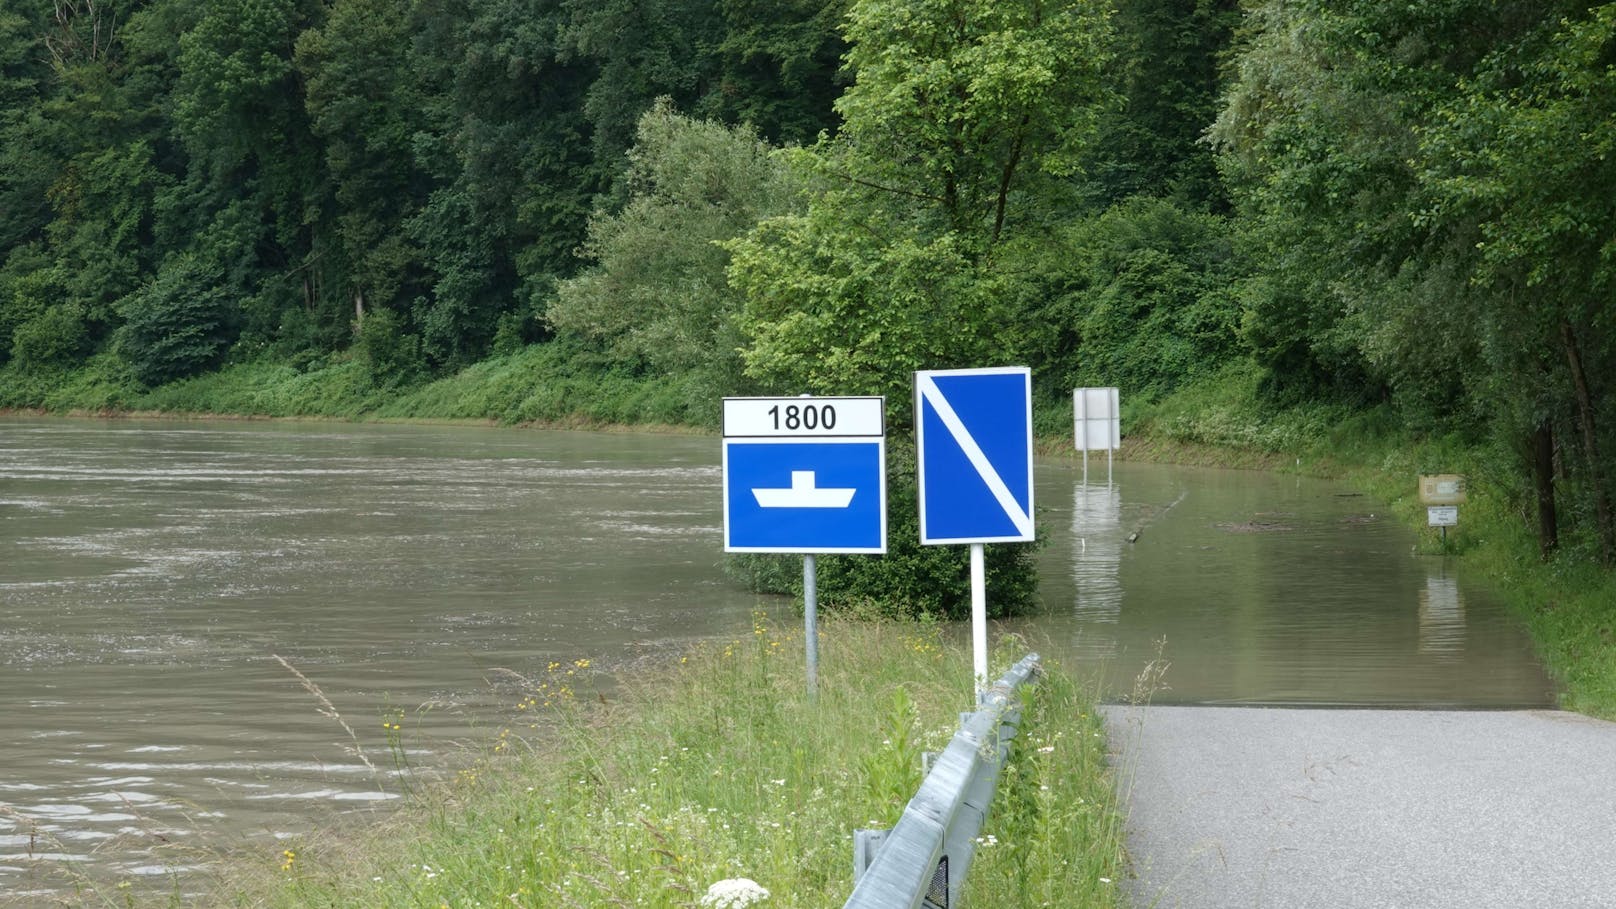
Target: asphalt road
(1247,807)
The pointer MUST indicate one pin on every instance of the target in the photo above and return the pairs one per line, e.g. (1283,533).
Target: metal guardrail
(921,862)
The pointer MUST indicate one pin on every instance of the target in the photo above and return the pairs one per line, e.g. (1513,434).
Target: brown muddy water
(1257,588)
(151,572)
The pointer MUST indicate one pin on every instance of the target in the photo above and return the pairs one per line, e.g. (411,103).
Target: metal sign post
(810,621)
(805,475)
(973,440)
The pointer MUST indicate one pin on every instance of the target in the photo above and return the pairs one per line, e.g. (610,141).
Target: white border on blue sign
(926,540)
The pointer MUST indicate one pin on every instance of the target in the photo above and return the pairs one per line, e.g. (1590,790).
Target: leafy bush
(177,325)
(1139,298)
(657,292)
(29,284)
(55,337)
(391,355)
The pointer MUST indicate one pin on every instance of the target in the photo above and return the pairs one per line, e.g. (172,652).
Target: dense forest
(1405,209)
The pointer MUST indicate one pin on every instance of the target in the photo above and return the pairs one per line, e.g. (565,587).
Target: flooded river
(176,599)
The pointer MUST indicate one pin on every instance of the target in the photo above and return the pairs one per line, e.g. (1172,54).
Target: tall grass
(720,767)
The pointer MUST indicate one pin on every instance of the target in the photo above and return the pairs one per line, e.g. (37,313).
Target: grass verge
(719,767)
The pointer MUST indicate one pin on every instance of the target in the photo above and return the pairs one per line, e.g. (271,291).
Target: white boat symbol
(803,494)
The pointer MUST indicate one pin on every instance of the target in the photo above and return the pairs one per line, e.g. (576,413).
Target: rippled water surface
(151,573)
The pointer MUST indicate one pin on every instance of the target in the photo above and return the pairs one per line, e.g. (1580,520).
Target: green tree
(1522,158)
(177,325)
(965,124)
(778,67)
(31,285)
(644,49)
(963,106)
(1419,182)
(81,129)
(366,108)
(255,177)
(657,292)
(102,230)
(511,166)
(25,169)
(1166,68)
(1138,296)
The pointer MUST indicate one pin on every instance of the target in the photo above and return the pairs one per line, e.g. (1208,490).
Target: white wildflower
(734,893)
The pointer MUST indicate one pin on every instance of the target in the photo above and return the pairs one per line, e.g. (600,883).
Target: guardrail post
(866,846)
(921,863)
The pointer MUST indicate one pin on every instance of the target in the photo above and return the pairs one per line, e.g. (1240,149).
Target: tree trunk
(1548,522)
(1590,444)
(1008,174)
(358,307)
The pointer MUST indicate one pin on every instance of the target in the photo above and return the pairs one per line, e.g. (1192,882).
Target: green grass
(552,383)
(718,766)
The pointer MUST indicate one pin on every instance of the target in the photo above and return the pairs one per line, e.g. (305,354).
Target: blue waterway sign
(805,475)
(973,435)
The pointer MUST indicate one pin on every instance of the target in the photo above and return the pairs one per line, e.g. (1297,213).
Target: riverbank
(717,767)
(550,385)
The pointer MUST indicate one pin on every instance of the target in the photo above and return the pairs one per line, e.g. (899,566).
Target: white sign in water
(1097,419)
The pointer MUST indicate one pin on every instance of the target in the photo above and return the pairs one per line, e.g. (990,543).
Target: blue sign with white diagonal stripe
(973,435)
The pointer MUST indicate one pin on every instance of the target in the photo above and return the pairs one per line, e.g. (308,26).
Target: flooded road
(1259,588)
(152,572)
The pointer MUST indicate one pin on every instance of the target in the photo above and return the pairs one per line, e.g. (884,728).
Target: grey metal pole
(979,619)
(810,621)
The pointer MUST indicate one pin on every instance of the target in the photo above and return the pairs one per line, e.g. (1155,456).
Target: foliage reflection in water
(1268,589)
